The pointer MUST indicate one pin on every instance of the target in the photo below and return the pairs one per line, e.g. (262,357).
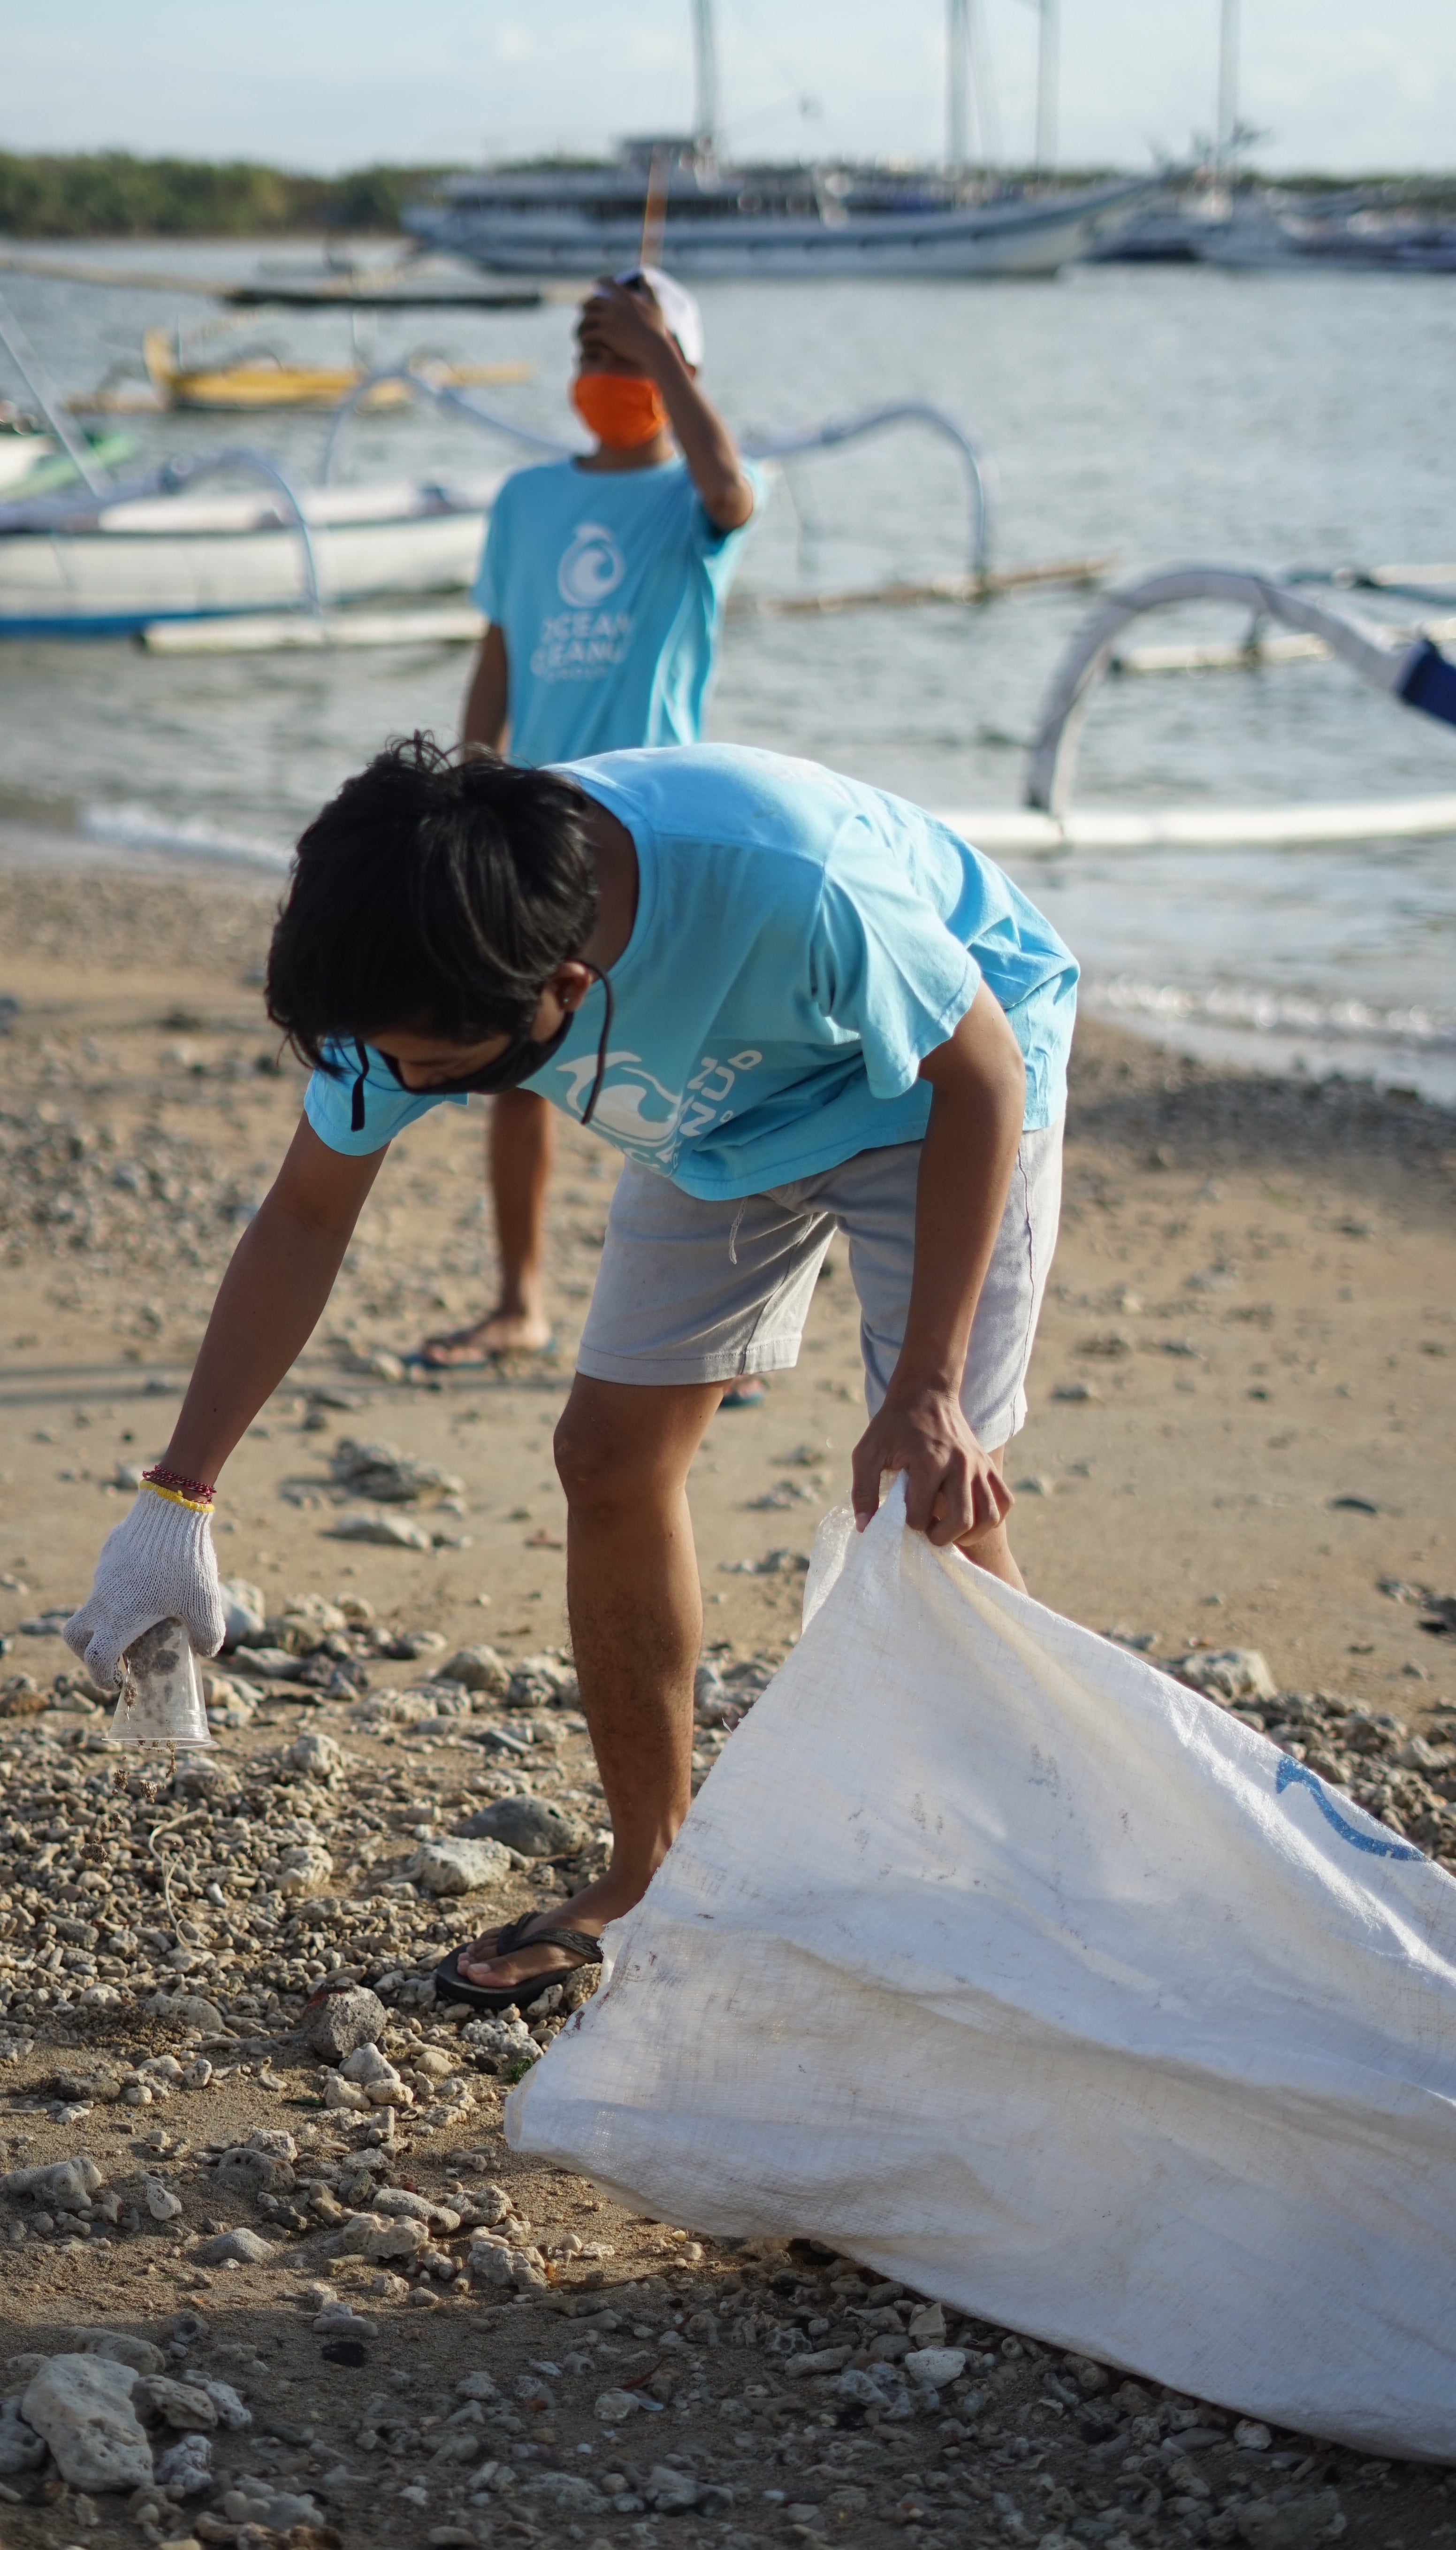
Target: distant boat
(21,445)
(675,200)
(104,559)
(254,382)
(1251,229)
(32,461)
(1259,228)
(781,223)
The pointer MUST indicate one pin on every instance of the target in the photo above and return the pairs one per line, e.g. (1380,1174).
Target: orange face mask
(620,409)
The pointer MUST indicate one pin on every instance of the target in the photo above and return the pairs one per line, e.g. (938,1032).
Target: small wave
(1275,1012)
(147,827)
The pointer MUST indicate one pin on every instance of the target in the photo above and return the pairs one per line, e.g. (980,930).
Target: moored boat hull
(251,385)
(20,454)
(180,559)
(1034,237)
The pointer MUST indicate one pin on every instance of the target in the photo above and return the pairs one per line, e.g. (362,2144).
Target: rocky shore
(271,2273)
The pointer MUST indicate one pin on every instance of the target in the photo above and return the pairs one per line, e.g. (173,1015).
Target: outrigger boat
(1407,668)
(256,381)
(107,556)
(32,461)
(1412,672)
(24,444)
(110,561)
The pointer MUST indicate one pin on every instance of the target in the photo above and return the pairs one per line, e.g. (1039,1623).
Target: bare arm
(630,325)
(979,1081)
(271,1298)
(704,443)
(487,702)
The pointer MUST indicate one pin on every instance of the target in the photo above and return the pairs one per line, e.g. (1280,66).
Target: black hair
(438,891)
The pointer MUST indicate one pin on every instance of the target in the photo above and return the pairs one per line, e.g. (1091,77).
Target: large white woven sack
(1009,1966)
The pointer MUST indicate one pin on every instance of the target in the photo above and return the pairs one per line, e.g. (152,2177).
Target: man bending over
(794,1003)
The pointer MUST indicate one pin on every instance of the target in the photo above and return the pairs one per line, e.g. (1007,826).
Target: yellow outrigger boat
(264,380)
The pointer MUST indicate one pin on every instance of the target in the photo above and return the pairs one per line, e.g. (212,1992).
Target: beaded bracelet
(190,1490)
(171,1496)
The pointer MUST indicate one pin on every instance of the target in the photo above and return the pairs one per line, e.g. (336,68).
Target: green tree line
(111,194)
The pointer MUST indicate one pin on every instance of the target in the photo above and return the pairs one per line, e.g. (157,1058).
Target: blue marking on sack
(1291,1771)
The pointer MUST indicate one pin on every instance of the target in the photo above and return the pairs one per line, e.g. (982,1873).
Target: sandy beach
(1243,1403)
(1250,1339)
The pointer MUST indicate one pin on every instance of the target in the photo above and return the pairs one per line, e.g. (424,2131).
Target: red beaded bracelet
(161,1476)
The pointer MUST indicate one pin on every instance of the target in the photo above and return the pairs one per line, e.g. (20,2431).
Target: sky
(328,84)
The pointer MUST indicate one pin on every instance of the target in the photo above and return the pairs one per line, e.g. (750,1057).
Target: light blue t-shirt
(801,944)
(609,587)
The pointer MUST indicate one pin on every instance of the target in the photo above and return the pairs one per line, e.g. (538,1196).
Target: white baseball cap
(678,307)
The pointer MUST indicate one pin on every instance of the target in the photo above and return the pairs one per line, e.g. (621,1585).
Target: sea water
(1141,416)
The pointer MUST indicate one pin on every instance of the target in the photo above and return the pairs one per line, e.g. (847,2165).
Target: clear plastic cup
(161,1701)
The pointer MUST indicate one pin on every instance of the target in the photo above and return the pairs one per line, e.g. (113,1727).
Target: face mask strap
(447,1088)
(603,1040)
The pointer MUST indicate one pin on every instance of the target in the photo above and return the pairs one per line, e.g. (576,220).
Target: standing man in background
(602,583)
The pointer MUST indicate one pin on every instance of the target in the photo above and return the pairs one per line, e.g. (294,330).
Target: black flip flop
(451,1985)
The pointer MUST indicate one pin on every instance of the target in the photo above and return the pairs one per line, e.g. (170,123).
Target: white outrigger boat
(23,447)
(1407,667)
(109,562)
(281,565)
(105,556)
(34,462)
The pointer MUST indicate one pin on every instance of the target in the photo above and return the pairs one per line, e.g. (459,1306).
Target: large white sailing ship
(711,219)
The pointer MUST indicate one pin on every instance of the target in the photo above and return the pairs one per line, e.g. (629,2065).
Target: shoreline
(1247,1260)
(43,869)
(136,841)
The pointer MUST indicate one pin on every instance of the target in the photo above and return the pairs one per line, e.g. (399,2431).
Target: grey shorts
(695,1292)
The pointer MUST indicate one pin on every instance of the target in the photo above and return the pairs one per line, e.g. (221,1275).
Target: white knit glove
(158,1565)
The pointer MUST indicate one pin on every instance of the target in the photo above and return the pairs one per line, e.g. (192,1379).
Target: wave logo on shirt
(633,1110)
(591,567)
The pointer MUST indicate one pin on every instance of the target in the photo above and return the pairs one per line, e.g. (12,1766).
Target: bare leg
(523,1148)
(520,1149)
(992,1549)
(636,1626)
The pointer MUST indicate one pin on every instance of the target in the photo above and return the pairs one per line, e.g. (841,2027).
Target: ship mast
(704,62)
(1047,87)
(1227,136)
(957,65)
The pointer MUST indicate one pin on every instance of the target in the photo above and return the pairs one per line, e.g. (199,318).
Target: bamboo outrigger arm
(1415,673)
(765,447)
(549,446)
(849,429)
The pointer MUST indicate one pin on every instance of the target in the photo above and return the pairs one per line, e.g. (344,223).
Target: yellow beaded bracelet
(193,1505)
